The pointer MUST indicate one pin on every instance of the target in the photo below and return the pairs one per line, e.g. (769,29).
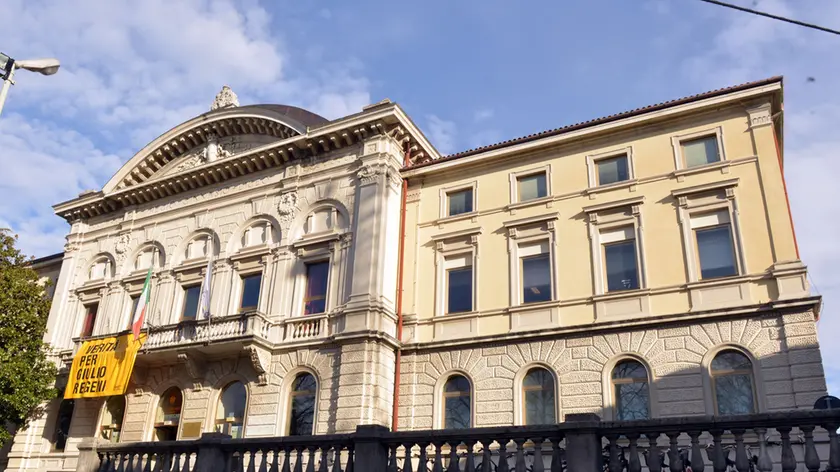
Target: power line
(775,17)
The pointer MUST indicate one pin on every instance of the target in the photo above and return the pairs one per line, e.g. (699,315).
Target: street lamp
(8,66)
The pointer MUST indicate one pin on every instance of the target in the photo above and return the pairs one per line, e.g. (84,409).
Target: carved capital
(261,361)
(368,174)
(71,246)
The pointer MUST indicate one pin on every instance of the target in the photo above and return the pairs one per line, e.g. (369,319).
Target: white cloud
(750,47)
(442,133)
(130,71)
(483,114)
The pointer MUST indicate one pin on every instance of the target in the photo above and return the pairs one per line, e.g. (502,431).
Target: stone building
(640,265)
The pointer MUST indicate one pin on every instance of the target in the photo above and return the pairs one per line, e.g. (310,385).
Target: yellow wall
(765,230)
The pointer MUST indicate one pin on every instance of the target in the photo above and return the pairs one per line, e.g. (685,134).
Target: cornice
(350,131)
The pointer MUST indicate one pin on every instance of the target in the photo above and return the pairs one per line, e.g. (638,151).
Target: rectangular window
(612,170)
(90,319)
(532,186)
(315,299)
(701,151)
(459,290)
(191,295)
(460,201)
(135,299)
(715,245)
(250,292)
(620,259)
(536,273)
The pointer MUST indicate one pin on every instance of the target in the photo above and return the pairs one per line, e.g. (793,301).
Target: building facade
(641,265)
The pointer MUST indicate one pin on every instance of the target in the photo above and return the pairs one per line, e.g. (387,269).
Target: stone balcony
(224,335)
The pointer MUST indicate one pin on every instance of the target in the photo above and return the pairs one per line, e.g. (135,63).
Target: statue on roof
(225,99)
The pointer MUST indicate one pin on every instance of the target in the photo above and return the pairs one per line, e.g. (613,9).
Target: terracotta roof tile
(597,121)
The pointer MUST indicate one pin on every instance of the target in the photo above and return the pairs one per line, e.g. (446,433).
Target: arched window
(230,413)
(112,418)
(302,405)
(732,382)
(100,269)
(457,403)
(538,397)
(632,393)
(168,415)
(61,430)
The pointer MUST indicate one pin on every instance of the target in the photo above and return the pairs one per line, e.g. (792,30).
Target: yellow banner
(102,367)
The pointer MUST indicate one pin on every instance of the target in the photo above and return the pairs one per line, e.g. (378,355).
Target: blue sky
(468,72)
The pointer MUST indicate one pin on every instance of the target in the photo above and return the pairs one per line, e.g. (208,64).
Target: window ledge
(729,280)
(532,306)
(190,264)
(251,251)
(456,316)
(93,285)
(317,238)
(459,217)
(547,201)
(723,166)
(631,184)
(621,294)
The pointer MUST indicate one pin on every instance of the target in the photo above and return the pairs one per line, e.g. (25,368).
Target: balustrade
(306,327)
(214,329)
(804,440)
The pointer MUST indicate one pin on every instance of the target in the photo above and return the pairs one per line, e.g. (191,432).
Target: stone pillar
(210,456)
(371,455)
(60,319)
(583,445)
(376,224)
(88,457)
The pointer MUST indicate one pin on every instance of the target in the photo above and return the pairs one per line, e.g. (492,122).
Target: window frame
(443,396)
(614,383)
(677,144)
(523,400)
(713,375)
(242,277)
(693,202)
(223,422)
(448,286)
(292,393)
(56,425)
(696,251)
(167,424)
(444,199)
(326,296)
(514,185)
(103,427)
(613,216)
(184,290)
(450,246)
(603,253)
(592,161)
(93,315)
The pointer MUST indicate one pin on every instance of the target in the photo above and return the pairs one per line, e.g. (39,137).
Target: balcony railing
(798,440)
(233,327)
(306,327)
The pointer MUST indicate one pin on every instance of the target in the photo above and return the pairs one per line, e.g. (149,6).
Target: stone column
(583,445)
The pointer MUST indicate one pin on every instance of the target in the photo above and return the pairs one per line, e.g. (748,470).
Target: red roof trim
(599,121)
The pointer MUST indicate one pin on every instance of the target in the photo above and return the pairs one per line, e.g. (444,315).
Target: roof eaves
(601,120)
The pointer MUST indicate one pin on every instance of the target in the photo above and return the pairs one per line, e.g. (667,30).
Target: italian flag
(140,312)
